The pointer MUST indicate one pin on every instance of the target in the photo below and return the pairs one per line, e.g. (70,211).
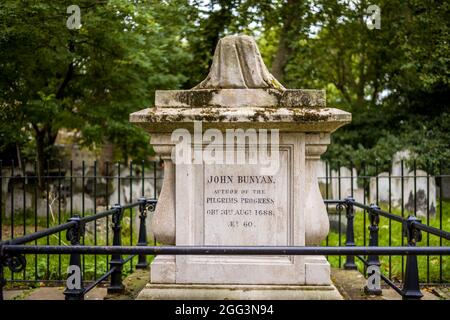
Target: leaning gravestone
(208,201)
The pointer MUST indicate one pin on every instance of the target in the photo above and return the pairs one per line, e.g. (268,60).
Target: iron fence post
(350,234)
(116,262)
(142,241)
(373,260)
(74,284)
(411,287)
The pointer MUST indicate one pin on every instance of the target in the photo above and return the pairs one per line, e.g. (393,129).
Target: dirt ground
(350,284)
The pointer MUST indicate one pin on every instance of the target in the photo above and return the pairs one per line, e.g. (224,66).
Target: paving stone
(350,284)
(50,293)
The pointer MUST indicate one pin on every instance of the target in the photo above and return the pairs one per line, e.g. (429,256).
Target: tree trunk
(284,51)
(281,58)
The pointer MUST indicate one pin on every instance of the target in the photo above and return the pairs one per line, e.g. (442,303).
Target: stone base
(237,292)
(317,272)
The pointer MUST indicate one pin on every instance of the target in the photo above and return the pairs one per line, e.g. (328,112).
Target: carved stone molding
(163,222)
(317,223)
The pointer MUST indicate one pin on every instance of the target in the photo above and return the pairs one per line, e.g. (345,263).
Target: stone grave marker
(240,201)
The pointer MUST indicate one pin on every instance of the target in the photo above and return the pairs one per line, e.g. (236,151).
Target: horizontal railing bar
(40,234)
(369,208)
(49,281)
(136,177)
(64,177)
(382,177)
(421,226)
(97,216)
(334,201)
(130,205)
(161,177)
(379,211)
(64,226)
(226,250)
(432,230)
(86,282)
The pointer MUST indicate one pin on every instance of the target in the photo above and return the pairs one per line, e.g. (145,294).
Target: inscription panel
(243,207)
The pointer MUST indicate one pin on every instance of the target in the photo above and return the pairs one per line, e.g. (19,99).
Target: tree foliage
(90,79)
(394,80)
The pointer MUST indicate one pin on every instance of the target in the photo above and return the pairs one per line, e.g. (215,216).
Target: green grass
(430,267)
(53,267)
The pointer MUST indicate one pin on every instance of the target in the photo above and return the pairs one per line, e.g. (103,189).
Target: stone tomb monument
(239,203)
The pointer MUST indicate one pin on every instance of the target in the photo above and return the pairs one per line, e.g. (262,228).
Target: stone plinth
(204,203)
(238,292)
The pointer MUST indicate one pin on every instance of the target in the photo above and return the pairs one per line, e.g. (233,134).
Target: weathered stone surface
(398,188)
(240,92)
(420,196)
(163,222)
(155,120)
(381,190)
(445,187)
(238,292)
(416,190)
(236,64)
(284,226)
(343,183)
(240,98)
(269,227)
(316,219)
(218,204)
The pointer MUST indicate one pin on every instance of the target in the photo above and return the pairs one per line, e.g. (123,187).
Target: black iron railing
(13,252)
(411,229)
(11,257)
(68,190)
(407,190)
(71,189)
